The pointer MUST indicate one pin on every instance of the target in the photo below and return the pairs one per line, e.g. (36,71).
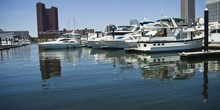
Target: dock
(214,46)
(207,55)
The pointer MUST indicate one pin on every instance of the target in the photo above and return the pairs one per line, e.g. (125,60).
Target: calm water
(90,79)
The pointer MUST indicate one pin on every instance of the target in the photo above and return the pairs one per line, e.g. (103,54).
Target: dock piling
(142,28)
(0,41)
(97,34)
(113,32)
(206,28)
(6,40)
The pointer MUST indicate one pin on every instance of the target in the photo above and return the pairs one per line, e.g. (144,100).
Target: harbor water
(94,79)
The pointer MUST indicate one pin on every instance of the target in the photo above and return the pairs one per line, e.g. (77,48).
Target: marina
(86,78)
(148,55)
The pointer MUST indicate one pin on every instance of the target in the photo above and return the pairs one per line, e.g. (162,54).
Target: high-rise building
(214,10)
(47,20)
(188,10)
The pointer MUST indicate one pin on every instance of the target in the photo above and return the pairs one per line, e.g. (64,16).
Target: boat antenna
(161,6)
(217,11)
(173,9)
(75,26)
(68,24)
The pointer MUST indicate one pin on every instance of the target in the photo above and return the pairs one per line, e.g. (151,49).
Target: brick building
(84,32)
(47,21)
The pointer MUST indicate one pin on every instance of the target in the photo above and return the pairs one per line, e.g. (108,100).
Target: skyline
(20,15)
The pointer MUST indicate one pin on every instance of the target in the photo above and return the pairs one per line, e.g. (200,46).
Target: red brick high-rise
(47,21)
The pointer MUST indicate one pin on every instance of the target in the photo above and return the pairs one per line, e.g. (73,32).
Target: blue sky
(17,15)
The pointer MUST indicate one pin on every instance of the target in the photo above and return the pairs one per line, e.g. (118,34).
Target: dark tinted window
(213,31)
(118,33)
(64,39)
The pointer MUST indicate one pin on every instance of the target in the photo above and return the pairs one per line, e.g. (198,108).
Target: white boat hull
(97,44)
(165,46)
(214,39)
(58,45)
(120,44)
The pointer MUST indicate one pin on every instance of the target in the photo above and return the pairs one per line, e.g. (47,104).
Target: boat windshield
(70,36)
(124,28)
(64,40)
(77,36)
(179,21)
(215,31)
(67,36)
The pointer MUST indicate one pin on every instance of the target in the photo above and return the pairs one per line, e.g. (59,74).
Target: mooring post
(206,34)
(6,40)
(10,40)
(142,28)
(113,32)
(97,34)
(0,41)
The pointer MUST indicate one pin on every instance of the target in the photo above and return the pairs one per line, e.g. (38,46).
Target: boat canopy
(178,21)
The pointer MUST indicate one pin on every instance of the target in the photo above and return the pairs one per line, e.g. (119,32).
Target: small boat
(171,34)
(25,42)
(66,41)
(121,42)
(93,37)
(130,39)
(120,38)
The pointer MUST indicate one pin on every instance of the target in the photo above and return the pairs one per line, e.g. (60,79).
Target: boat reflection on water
(165,67)
(118,58)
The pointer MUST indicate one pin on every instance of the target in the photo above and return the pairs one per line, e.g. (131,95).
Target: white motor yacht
(106,40)
(93,37)
(171,34)
(66,41)
(130,39)
(123,37)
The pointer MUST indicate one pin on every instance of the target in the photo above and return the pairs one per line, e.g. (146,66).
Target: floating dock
(212,54)
(214,46)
